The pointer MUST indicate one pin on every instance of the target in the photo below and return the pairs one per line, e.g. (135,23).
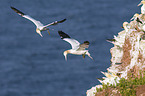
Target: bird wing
(74,43)
(84,45)
(37,23)
(55,23)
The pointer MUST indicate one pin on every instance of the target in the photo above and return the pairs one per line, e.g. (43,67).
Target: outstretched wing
(74,43)
(84,45)
(55,23)
(37,23)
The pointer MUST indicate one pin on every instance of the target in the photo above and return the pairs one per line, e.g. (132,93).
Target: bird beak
(40,35)
(65,57)
(39,32)
(132,18)
(139,4)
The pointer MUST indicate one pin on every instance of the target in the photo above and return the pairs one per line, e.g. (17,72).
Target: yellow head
(39,31)
(142,2)
(136,15)
(125,24)
(65,54)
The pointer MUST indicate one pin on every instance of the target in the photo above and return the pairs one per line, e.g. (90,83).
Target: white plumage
(39,26)
(77,48)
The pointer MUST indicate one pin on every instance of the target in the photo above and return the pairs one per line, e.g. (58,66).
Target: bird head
(125,25)
(142,2)
(65,54)
(39,32)
(135,16)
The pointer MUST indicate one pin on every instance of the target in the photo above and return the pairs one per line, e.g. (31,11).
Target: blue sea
(34,66)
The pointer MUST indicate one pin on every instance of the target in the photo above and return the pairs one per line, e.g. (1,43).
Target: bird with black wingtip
(39,25)
(77,48)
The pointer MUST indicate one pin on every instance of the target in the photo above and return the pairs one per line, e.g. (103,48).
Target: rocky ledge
(126,75)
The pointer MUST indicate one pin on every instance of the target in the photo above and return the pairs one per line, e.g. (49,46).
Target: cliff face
(128,54)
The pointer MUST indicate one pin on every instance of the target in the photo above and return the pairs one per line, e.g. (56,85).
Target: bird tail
(87,53)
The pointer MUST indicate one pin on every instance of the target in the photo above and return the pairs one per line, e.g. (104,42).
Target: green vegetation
(126,87)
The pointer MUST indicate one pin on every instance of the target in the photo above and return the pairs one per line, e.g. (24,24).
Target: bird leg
(47,30)
(84,55)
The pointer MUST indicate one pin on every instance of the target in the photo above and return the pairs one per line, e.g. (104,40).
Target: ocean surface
(34,66)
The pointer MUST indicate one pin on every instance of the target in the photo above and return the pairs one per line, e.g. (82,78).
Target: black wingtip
(63,35)
(122,27)
(17,11)
(11,7)
(62,20)
(138,20)
(86,42)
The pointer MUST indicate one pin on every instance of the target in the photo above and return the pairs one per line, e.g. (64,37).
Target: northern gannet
(39,25)
(135,16)
(111,78)
(143,6)
(126,26)
(77,48)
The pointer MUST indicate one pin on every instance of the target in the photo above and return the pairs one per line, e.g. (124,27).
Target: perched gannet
(126,26)
(135,16)
(110,78)
(77,48)
(108,75)
(143,6)
(39,25)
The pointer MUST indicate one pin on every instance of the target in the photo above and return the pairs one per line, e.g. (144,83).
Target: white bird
(143,6)
(39,25)
(108,75)
(135,16)
(126,26)
(111,78)
(77,48)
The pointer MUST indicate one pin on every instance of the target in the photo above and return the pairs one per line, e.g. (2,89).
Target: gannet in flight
(143,6)
(77,48)
(39,25)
